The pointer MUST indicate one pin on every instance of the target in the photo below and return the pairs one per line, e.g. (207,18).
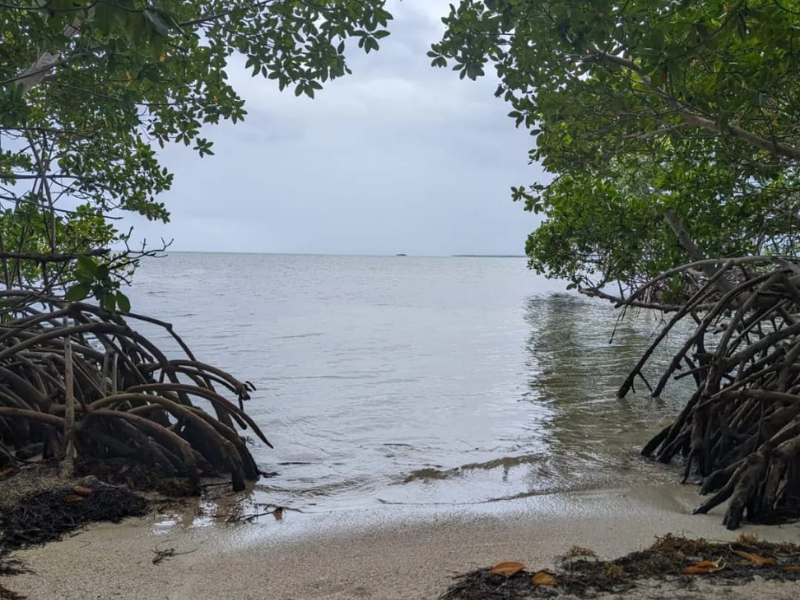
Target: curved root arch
(77,380)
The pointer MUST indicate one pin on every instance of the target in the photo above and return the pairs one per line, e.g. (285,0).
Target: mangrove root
(78,382)
(740,430)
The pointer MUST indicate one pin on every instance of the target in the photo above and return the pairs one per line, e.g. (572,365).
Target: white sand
(375,555)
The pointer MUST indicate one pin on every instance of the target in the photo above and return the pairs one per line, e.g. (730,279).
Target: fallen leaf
(755,559)
(704,567)
(542,578)
(278,513)
(73,498)
(792,568)
(507,568)
(82,491)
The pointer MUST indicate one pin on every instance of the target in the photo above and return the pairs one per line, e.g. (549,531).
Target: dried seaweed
(582,574)
(49,515)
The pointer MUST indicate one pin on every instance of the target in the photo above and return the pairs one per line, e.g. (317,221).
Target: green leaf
(78,292)
(123,302)
(109,301)
(86,266)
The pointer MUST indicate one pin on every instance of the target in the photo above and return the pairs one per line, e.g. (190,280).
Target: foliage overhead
(89,89)
(639,106)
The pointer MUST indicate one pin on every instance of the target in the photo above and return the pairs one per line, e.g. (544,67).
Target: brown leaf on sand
(73,498)
(82,491)
(507,568)
(754,559)
(704,567)
(542,578)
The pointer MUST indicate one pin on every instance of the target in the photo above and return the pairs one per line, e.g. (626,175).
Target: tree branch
(45,63)
(693,250)
(691,115)
(214,16)
(51,258)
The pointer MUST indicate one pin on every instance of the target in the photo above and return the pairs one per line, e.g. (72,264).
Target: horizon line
(396,255)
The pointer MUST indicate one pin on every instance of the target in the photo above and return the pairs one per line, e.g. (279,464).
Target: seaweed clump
(49,515)
(671,558)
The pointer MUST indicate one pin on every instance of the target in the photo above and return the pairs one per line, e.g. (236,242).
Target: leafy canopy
(90,88)
(640,106)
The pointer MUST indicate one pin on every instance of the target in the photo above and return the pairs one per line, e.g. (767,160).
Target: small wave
(505,462)
(303,377)
(427,474)
(297,336)
(550,491)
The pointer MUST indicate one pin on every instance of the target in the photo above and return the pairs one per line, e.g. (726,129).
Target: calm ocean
(415,381)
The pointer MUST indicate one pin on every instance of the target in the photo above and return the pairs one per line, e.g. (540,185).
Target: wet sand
(390,553)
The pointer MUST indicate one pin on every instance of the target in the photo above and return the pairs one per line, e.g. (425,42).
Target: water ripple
(416,381)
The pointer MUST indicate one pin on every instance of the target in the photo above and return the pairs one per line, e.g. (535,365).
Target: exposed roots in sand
(740,430)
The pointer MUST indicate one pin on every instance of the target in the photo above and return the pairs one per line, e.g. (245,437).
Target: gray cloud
(398,157)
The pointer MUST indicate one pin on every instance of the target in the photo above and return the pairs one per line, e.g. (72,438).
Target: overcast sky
(398,157)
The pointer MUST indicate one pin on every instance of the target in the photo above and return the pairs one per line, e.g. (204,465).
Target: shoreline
(383,554)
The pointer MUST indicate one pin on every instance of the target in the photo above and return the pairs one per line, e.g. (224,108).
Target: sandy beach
(390,553)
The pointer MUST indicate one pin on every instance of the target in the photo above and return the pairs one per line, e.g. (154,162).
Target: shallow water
(416,381)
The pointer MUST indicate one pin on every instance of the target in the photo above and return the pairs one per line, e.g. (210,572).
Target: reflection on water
(416,381)
(582,436)
(580,355)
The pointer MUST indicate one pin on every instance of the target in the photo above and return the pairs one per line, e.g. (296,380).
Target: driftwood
(78,381)
(740,429)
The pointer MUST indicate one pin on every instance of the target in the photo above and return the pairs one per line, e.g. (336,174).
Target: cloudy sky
(398,157)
